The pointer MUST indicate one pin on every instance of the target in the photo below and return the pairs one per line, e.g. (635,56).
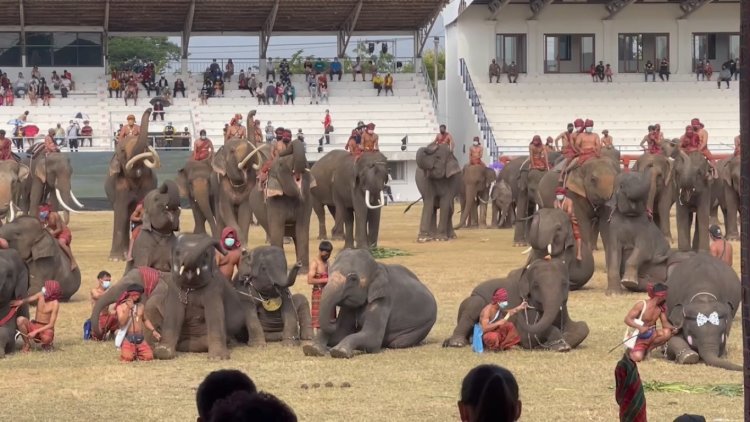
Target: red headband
(589,123)
(500,295)
(652,293)
(561,191)
(52,290)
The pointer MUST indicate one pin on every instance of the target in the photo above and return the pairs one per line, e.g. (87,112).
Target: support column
(532,48)
(684,49)
(184,66)
(606,50)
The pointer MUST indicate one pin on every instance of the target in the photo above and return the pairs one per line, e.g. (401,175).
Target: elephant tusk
(12,212)
(129,165)
(241,165)
(367,200)
(198,271)
(256,167)
(382,198)
(182,269)
(156,163)
(64,205)
(77,202)
(549,249)
(526,251)
(481,200)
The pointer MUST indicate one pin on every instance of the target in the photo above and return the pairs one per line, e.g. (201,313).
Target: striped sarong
(629,391)
(317,292)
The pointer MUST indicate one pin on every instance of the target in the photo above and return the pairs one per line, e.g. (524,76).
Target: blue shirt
(336,66)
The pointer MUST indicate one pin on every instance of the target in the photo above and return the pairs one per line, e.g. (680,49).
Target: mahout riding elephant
(475,195)
(438,177)
(286,212)
(236,165)
(14,284)
(590,187)
(130,178)
(726,189)
(694,180)
(546,323)
(272,313)
(503,211)
(379,306)
(161,219)
(197,309)
(704,296)
(551,234)
(322,193)
(662,191)
(12,176)
(200,187)
(43,255)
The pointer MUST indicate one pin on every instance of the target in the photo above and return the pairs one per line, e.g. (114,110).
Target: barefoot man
(235,129)
(231,244)
(131,318)
(587,144)
(568,149)
(444,137)
(130,129)
(498,333)
(41,329)
(318,278)
(476,152)
(59,230)
(607,141)
(136,220)
(538,155)
(720,247)
(108,318)
(700,129)
(564,203)
(643,318)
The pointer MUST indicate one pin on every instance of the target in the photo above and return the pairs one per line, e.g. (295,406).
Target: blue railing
(476,105)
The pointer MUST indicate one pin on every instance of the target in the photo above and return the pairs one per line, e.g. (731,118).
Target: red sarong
(317,292)
(202,149)
(501,338)
(476,161)
(45,337)
(107,324)
(66,235)
(629,391)
(586,155)
(576,228)
(130,352)
(150,278)
(136,231)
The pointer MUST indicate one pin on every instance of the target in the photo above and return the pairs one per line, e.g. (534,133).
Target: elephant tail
(411,205)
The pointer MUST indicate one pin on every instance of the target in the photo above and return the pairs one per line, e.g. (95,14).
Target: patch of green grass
(383,253)
(728,390)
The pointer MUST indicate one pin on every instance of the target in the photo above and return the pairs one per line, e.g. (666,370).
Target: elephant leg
(193,345)
(446,205)
(174,315)
(614,263)
(35,197)
(468,315)
(360,225)
(290,321)
(683,228)
(680,351)
(482,215)
(730,218)
(701,242)
(369,338)
(7,341)
(302,239)
(634,261)
(302,308)
(256,337)
(373,227)
(276,223)
(198,218)
(574,332)
(121,230)
(522,210)
(244,217)
(346,323)
(664,206)
(320,212)
(495,216)
(216,327)
(337,232)
(427,220)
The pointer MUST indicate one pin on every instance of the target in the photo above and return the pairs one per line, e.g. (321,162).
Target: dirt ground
(85,380)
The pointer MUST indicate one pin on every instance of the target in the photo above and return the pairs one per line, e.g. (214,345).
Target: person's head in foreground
(218,385)
(242,406)
(489,393)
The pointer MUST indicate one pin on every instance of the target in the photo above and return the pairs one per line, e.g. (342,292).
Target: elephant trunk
(685,169)
(550,309)
(142,143)
(109,297)
(291,278)
(203,203)
(710,355)
(328,302)
(652,190)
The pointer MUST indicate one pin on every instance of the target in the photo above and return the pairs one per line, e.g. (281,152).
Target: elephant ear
(40,170)
(378,286)
(114,165)
(219,162)
(451,166)
(44,247)
(676,315)
(182,183)
(574,182)
(22,287)
(23,172)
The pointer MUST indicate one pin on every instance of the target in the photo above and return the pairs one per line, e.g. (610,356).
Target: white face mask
(44,292)
(106,284)
(559,197)
(589,129)
(476,143)
(503,304)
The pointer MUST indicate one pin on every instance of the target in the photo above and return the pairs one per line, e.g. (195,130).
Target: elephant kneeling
(379,306)
(546,323)
(272,313)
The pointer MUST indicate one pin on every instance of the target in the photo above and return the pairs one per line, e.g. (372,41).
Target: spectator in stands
(323,89)
(151,86)
(664,69)
(289,94)
(242,83)
(208,87)
(270,70)
(495,71)
(215,69)
(592,72)
(608,72)
(270,135)
(320,66)
(700,70)
(219,385)
(308,66)
(35,73)
(335,68)
(377,83)
(114,86)
(204,96)
(271,93)
(260,94)
(219,87)
(179,86)
(312,87)
(709,69)
(55,79)
(163,83)
(279,93)
(285,72)
(242,74)
(228,71)
(59,134)
(489,393)
(373,69)
(724,76)
(649,70)
(158,111)
(9,97)
(513,73)
(131,91)
(357,69)
(86,134)
(18,138)
(72,135)
(65,87)
(600,71)
(169,133)
(21,86)
(252,84)
(33,93)
(327,126)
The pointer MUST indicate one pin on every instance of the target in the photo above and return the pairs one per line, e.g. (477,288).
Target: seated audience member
(218,385)
(335,68)
(489,393)
(242,406)
(179,86)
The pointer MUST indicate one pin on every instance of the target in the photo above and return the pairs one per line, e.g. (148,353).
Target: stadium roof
(172,16)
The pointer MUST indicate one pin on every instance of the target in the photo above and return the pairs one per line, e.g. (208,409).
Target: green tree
(154,49)
(428,58)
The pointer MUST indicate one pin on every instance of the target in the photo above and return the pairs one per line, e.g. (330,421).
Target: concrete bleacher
(545,104)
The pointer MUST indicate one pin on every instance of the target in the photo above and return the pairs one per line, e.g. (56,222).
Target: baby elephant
(379,306)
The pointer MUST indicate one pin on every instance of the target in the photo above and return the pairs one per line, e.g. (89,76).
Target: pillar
(533,58)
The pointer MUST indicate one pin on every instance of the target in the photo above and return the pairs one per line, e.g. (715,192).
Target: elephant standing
(43,255)
(12,176)
(322,194)
(379,306)
(161,218)
(49,182)
(662,191)
(438,177)
(503,211)
(527,201)
(692,172)
(727,191)
(130,178)
(272,313)
(546,323)
(704,295)
(14,284)
(200,188)
(477,183)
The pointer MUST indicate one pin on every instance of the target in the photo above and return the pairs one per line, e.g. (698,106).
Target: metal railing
(430,88)
(476,105)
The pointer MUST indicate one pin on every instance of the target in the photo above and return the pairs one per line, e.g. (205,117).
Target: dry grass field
(86,381)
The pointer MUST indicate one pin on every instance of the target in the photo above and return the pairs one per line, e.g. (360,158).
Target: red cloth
(576,229)
(441,139)
(53,291)
(136,231)
(65,235)
(653,146)
(537,157)
(579,125)
(317,292)
(5,149)
(561,191)
(44,337)
(327,121)
(502,338)
(690,142)
(500,295)
(476,161)
(588,123)
(629,391)
(202,149)
(150,277)
(86,130)
(586,155)
(130,352)
(230,232)
(107,324)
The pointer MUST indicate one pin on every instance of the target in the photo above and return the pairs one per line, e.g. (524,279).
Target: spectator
(114,86)
(59,134)
(163,83)
(592,72)
(242,74)
(21,86)
(608,73)
(215,69)
(67,75)
(387,188)
(724,76)
(357,69)
(700,70)
(495,71)
(242,83)
(72,135)
(270,135)
(9,97)
(289,94)
(179,86)
(327,127)
(489,393)
(55,79)
(270,70)
(308,66)
(335,68)
(270,93)
(600,71)
(252,84)
(228,71)
(324,92)
(377,83)
(737,69)
(169,133)
(218,385)
(664,69)
(150,86)
(45,93)
(312,88)
(279,93)
(35,73)
(219,86)
(709,69)
(731,65)
(87,133)
(649,70)
(18,138)
(65,87)
(388,83)
(320,66)
(260,94)
(158,111)
(373,70)
(243,406)
(204,95)
(285,72)
(513,73)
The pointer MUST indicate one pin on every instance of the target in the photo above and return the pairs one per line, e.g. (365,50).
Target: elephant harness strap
(150,278)
(11,314)
(271,304)
(713,318)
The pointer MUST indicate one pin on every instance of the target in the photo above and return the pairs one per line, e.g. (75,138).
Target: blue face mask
(503,305)
(43,215)
(229,242)
(106,284)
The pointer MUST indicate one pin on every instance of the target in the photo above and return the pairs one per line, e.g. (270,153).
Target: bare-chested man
(235,129)
(257,133)
(607,141)
(538,159)
(476,152)
(230,242)
(568,149)
(6,145)
(700,129)
(203,148)
(566,138)
(550,145)
(131,91)
(131,318)
(41,329)
(444,137)
(651,142)
(720,247)
(370,139)
(136,220)
(59,230)
(691,141)
(587,144)
(318,278)
(498,332)
(107,318)
(50,145)
(643,317)
(130,129)
(280,144)
(564,203)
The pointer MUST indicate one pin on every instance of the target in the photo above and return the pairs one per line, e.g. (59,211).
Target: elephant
(527,201)
(286,213)
(503,211)
(477,183)
(694,180)
(322,193)
(662,191)
(379,306)
(438,177)
(727,191)
(590,186)
(272,313)
(12,176)
(14,284)
(43,255)
(49,182)
(704,295)
(130,178)
(546,324)
(161,218)
(199,186)
(235,177)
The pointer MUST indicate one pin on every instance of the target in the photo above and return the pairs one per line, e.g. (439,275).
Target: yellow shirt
(377,80)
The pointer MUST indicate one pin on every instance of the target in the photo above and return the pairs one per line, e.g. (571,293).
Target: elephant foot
(218,355)
(442,238)
(322,237)
(424,239)
(669,239)
(337,237)
(258,344)
(455,342)
(687,357)
(629,284)
(733,237)
(290,342)
(117,258)
(341,353)
(314,350)
(557,346)
(163,353)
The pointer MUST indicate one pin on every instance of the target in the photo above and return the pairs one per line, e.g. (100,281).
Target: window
(634,50)
(10,49)
(70,49)
(564,49)
(568,53)
(397,170)
(511,48)
(717,48)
